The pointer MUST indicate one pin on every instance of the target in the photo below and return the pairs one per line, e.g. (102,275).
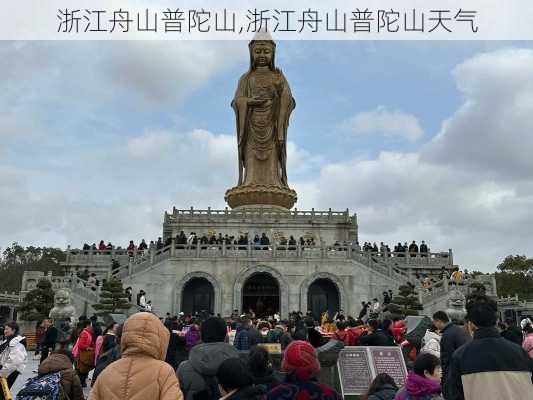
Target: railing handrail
(398,256)
(258,251)
(294,213)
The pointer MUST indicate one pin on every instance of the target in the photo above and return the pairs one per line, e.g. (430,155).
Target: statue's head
(456,299)
(262,50)
(62,298)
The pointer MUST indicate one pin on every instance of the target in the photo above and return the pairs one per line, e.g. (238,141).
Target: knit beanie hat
(301,359)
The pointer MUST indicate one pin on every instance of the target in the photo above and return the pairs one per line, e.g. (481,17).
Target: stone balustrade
(263,213)
(392,260)
(256,252)
(441,287)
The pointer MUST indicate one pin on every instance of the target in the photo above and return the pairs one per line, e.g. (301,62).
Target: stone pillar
(173,246)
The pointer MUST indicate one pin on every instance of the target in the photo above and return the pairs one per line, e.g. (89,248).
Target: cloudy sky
(424,140)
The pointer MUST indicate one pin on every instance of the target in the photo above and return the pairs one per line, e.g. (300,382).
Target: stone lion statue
(62,309)
(456,306)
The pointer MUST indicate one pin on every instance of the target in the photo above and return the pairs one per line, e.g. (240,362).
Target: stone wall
(165,281)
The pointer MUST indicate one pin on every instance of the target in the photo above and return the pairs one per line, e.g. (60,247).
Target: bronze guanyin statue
(263,104)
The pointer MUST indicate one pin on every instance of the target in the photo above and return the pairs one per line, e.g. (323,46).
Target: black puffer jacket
(387,392)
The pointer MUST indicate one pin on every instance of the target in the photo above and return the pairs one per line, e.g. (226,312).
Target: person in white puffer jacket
(13,355)
(431,342)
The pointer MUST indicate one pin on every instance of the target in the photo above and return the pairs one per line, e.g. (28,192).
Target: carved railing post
(173,247)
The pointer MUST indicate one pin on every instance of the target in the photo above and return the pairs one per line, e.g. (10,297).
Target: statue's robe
(262,129)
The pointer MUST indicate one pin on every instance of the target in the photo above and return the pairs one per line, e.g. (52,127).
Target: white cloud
(382,121)
(470,188)
(148,145)
(492,132)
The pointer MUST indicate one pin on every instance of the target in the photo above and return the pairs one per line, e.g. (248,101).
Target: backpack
(43,387)
(211,391)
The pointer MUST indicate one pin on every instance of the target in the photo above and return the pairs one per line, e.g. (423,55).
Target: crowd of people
(262,241)
(400,249)
(208,357)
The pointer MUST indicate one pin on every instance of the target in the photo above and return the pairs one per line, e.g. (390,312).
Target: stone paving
(31,371)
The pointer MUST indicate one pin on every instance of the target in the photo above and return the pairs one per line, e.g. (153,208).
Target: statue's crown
(262,34)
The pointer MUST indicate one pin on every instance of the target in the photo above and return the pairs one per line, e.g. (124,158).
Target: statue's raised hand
(256,101)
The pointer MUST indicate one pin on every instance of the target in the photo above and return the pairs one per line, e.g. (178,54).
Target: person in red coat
(300,362)
(83,351)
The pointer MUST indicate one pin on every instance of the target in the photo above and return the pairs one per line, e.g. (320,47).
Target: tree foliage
(515,277)
(407,299)
(113,298)
(38,302)
(516,264)
(15,259)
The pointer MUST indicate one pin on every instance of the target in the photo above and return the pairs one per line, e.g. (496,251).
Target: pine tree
(407,299)
(38,302)
(112,298)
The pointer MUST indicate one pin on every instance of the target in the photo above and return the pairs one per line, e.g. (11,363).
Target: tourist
(423,382)
(110,331)
(431,342)
(192,337)
(364,310)
(109,352)
(247,336)
(423,249)
(260,366)
(83,352)
(488,367)
(143,246)
(527,345)
(101,246)
(141,300)
(356,329)
(236,383)
(413,249)
(141,373)
(300,362)
(279,334)
(382,249)
(51,334)
(512,332)
(129,293)
(342,335)
(375,308)
(159,244)
(40,330)
(131,249)
(382,387)
(92,282)
(387,327)
(313,336)
(375,335)
(13,356)
(452,337)
(197,375)
(456,277)
(174,342)
(61,361)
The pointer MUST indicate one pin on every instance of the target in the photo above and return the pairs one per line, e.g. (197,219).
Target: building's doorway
(198,295)
(323,295)
(260,294)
